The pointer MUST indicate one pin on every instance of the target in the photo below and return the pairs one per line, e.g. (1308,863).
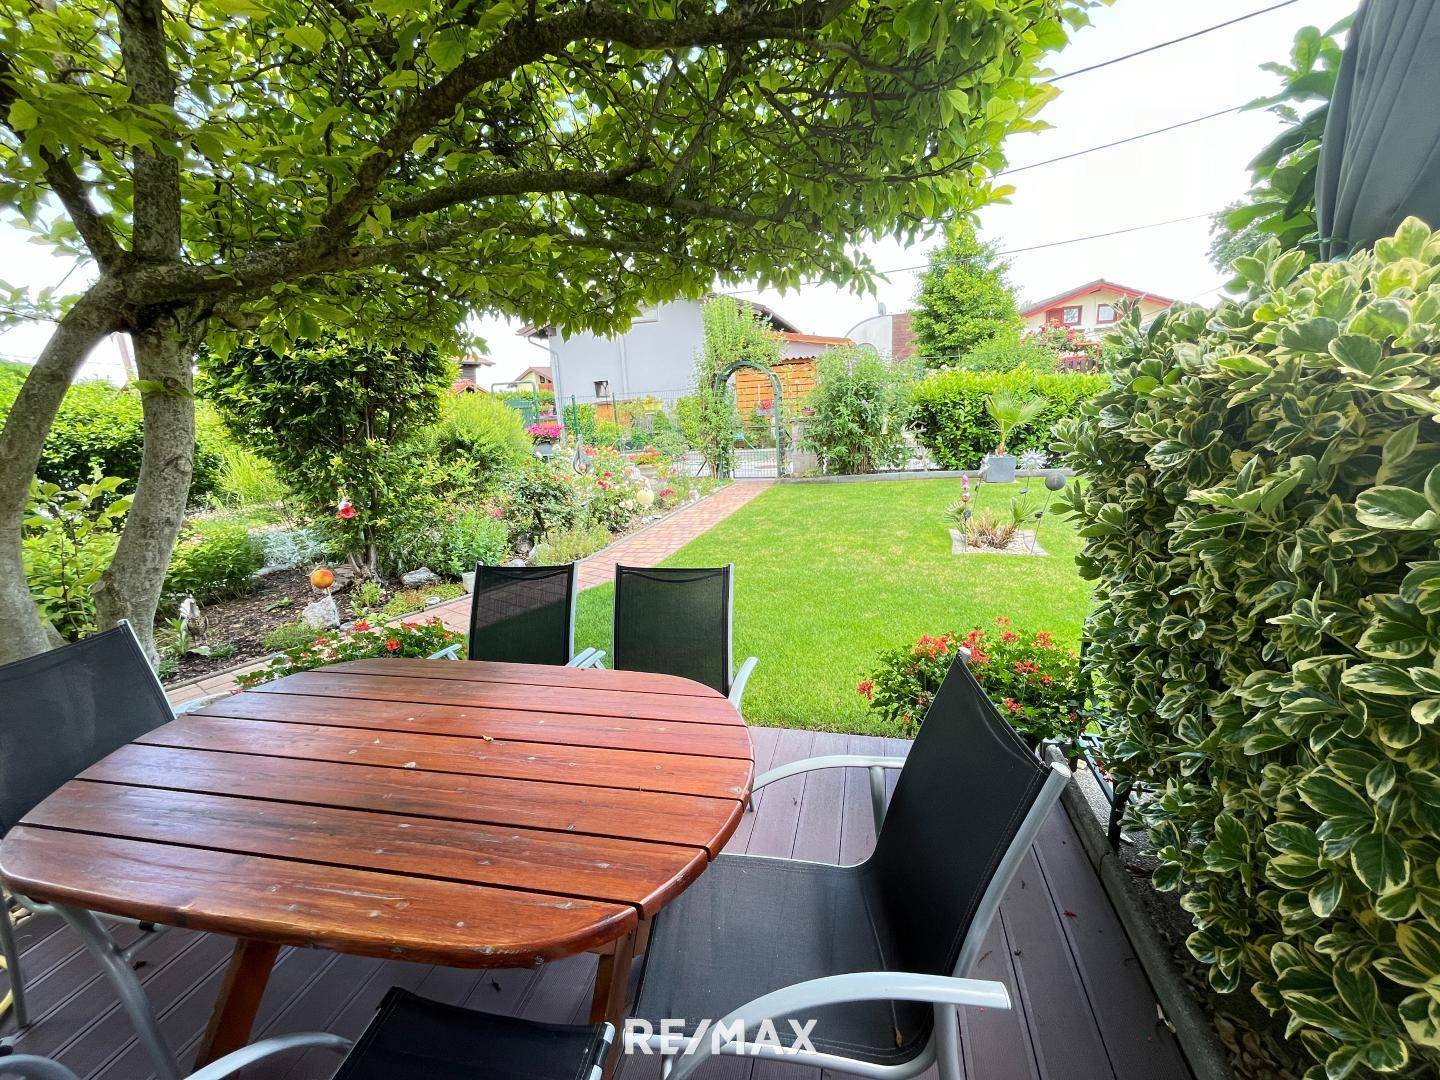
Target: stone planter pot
(468,578)
(1000,469)
(544,450)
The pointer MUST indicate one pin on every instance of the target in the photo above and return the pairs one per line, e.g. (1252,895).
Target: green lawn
(827,576)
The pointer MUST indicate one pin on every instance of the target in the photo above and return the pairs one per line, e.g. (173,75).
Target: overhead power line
(1020,250)
(1121,142)
(1172,41)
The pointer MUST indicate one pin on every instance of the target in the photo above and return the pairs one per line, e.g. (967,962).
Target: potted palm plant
(1010,411)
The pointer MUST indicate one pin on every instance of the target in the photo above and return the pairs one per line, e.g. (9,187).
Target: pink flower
(345,511)
(665,493)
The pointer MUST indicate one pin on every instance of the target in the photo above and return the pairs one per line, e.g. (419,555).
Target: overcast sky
(1192,171)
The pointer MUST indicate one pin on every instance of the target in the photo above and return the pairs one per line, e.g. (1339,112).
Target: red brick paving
(648,547)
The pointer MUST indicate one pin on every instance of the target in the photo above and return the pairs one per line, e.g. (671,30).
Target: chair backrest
(523,614)
(64,710)
(674,621)
(966,808)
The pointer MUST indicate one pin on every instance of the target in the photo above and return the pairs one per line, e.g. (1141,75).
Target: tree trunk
(131,585)
(22,631)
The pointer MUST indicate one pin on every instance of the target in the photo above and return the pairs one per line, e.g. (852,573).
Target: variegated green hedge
(1263,521)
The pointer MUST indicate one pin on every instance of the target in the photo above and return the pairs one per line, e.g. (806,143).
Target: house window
(602,388)
(1106,313)
(1070,315)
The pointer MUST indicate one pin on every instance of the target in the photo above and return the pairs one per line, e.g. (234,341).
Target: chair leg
(132,995)
(947,1042)
(12,963)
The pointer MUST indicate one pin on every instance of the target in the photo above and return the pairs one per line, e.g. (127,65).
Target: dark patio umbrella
(1380,157)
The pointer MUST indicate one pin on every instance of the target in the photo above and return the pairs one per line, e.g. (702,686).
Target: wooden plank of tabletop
(298,903)
(693,820)
(645,874)
(323,682)
(635,682)
(615,732)
(632,770)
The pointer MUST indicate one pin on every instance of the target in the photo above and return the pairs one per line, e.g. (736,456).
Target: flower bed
(1034,682)
(409,639)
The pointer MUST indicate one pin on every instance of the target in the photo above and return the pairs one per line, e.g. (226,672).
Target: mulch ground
(244,622)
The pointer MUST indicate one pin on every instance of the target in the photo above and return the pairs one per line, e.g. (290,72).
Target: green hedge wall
(100,428)
(1262,520)
(950,420)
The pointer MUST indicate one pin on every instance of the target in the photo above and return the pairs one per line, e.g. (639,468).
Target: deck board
(1084,1008)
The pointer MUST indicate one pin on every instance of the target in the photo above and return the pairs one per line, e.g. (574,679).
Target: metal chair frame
(113,960)
(741,676)
(583,659)
(945,993)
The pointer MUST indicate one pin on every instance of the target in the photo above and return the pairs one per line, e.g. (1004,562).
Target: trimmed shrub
(481,435)
(1261,519)
(1008,355)
(950,420)
(467,537)
(213,560)
(100,431)
(858,411)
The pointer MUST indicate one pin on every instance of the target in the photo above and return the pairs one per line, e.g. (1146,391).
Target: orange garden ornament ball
(322,579)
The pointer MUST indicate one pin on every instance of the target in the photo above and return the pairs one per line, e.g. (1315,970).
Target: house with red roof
(1091,308)
(655,358)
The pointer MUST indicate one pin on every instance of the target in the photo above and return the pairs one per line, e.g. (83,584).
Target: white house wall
(656,356)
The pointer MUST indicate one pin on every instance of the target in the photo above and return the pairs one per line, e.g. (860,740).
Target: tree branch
(528,41)
(94,228)
(519,182)
(147,73)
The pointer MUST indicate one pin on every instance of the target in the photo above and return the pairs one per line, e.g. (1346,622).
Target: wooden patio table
(457,813)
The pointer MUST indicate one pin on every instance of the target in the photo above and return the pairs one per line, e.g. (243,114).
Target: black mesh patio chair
(876,954)
(523,615)
(64,711)
(679,621)
(413,1038)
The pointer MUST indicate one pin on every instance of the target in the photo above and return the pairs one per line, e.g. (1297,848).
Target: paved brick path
(648,547)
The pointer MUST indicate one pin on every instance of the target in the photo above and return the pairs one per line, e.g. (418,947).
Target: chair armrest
(737,684)
(795,1000)
(876,765)
(248,1055)
(195,704)
(450,652)
(586,658)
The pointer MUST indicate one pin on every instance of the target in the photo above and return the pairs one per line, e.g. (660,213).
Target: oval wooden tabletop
(460,813)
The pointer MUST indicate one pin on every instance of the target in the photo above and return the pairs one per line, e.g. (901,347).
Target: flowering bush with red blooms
(648,456)
(410,639)
(1032,681)
(544,433)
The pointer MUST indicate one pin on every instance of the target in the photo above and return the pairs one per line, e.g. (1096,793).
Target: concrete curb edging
(910,474)
(1203,1051)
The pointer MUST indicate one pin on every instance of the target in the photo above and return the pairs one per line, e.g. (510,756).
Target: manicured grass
(827,576)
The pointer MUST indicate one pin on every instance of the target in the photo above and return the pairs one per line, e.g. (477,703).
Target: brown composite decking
(1083,1008)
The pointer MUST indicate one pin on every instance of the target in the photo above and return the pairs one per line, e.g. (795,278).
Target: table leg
(612,980)
(239,1000)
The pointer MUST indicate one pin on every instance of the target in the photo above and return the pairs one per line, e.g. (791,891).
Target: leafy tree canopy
(964,299)
(1281,200)
(560,161)
(284,168)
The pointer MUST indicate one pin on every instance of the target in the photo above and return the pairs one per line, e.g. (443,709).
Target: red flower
(665,493)
(361,625)
(866,689)
(1012,705)
(1009,636)
(392,645)
(1042,640)
(1001,620)
(345,511)
(1046,680)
